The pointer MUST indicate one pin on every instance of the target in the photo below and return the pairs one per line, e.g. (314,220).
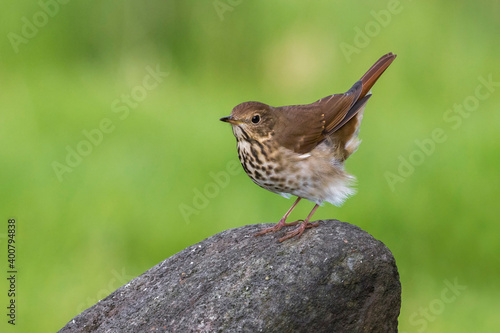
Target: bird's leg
(282,222)
(300,229)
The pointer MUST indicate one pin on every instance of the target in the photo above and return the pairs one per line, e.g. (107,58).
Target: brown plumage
(300,149)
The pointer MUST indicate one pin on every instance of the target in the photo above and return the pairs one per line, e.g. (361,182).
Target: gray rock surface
(335,278)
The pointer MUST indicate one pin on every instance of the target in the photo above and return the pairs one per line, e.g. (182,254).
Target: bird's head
(251,120)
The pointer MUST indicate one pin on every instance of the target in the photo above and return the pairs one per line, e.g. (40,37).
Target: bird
(300,150)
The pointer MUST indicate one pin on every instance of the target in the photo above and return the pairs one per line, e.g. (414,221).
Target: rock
(335,278)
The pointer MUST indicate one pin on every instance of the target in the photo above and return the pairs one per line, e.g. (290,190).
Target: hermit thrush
(301,149)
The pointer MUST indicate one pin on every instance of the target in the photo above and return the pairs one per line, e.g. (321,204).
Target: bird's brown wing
(303,127)
(336,107)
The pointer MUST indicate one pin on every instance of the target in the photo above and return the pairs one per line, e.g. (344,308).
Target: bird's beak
(230,120)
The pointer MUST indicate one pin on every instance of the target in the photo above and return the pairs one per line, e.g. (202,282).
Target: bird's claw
(298,231)
(277,227)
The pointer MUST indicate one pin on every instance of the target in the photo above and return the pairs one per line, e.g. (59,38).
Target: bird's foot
(299,230)
(277,227)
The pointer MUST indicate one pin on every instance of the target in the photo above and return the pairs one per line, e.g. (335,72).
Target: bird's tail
(372,75)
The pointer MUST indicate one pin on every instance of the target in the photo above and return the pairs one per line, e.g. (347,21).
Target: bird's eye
(256,119)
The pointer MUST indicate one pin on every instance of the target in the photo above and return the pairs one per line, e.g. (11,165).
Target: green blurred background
(132,200)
